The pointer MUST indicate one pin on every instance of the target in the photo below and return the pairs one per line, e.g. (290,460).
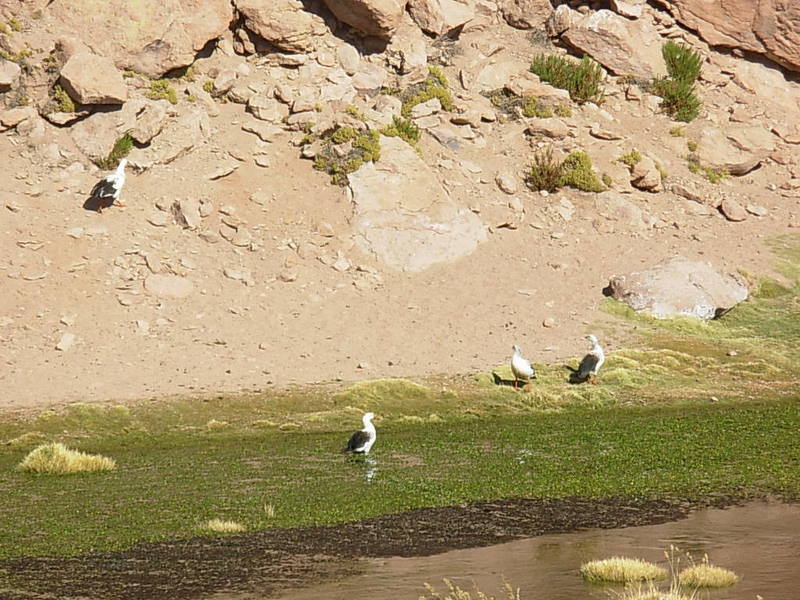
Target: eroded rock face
(737,149)
(405,217)
(148,36)
(622,46)
(679,286)
(526,14)
(92,79)
(283,23)
(439,17)
(379,18)
(771,28)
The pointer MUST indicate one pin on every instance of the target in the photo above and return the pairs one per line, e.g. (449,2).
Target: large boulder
(283,23)
(404,216)
(679,286)
(9,74)
(378,18)
(526,14)
(147,36)
(736,150)
(439,17)
(768,27)
(622,46)
(92,79)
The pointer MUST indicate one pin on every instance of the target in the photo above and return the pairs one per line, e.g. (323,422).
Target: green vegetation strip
(165,487)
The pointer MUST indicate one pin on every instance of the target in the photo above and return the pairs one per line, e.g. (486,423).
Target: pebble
(759,211)
(66,342)
(68,320)
(158,220)
(549,322)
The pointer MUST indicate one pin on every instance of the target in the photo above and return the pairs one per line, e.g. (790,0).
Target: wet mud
(263,563)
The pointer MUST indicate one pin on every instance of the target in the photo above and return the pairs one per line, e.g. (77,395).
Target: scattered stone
(142,327)
(159,219)
(645,175)
(552,128)
(732,210)
(92,79)
(549,322)
(66,342)
(506,182)
(379,18)
(9,74)
(153,262)
(285,24)
(737,150)
(628,8)
(526,14)
(223,171)
(679,286)
(755,209)
(68,320)
(187,213)
(288,275)
(440,17)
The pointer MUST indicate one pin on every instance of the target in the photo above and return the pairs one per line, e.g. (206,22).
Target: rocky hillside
(344,189)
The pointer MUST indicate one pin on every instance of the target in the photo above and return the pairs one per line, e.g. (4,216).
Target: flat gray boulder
(679,287)
(404,216)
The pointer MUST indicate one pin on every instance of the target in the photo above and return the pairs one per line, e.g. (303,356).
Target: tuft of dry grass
(454,592)
(706,575)
(57,459)
(222,526)
(214,425)
(269,510)
(621,570)
(651,592)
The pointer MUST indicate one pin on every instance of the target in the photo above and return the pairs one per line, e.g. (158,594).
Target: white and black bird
(361,441)
(521,367)
(106,191)
(592,362)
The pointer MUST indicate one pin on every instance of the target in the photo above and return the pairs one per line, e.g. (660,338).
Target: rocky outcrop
(622,46)
(770,28)
(378,18)
(404,216)
(526,14)
(92,79)
(148,36)
(9,74)
(679,286)
(283,23)
(736,150)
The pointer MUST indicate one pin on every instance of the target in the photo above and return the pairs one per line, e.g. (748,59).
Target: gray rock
(679,286)
(621,213)
(403,215)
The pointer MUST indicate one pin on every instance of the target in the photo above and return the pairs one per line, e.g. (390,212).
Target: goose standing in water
(361,441)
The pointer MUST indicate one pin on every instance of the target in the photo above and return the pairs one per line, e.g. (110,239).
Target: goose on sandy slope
(361,441)
(106,191)
(592,362)
(521,367)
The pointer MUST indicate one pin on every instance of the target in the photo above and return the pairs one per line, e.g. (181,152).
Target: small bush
(533,107)
(208,86)
(404,129)
(691,145)
(607,181)
(579,174)
(58,459)
(562,110)
(713,175)
(678,98)
(354,112)
(15,24)
(581,80)
(621,570)
(662,171)
(122,147)
(676,131)
(64,102)
(160,89)
(683,63)
(222,526)
(435,86)
(365,147)
(546,170)
(630,158)
(707,576)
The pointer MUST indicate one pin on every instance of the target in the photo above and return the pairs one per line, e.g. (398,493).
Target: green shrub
(579,174)
(208,86)
(434,86)
(404,129)
(546,170)
(683,63)
(691,145)
(533,107)
(581,80)
(122,147)
(63,100)
(160,89)
(678,98)
(15,24)
(607,181)
(676,131)
(562,110)
(365,147)
(630,158)
(711,174)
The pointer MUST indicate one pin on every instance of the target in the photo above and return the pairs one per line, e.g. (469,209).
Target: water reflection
(367,463)
(758,541)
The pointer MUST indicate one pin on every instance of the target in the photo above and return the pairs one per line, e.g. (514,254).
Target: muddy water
(759,541)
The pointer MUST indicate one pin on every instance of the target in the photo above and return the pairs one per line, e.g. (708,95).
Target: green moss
(160,89)
(435,86)
(365,147)
(208,86)
(631,158)
(18,57)
(122,148)
(562,110)
(691,145)
(343,134)
(533,107)
(677,131)
(581,80)
(712,175)
(63,100)
(578,173)
(405,130)
(129,74)
(15,24)
(607,181)
(354,112)
(3,28)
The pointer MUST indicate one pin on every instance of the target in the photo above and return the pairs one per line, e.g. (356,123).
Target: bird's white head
(368,417)
(592,339)
(517,349)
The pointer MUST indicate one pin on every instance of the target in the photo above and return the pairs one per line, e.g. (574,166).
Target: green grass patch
(683,63)
(345,150)
(678,98)
(711,174)
(631,158)
(161,89)
(580,79)
(434,86)
(64,103)
(549,173)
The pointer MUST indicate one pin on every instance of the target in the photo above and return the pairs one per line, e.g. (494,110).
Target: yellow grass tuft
(57,458)
(454,592)
(651,592)
(214,425)
(269,510)
(707,576)
(621,570)
(221,526)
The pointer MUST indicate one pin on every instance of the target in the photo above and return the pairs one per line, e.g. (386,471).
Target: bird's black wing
(587,365)
(103,189)
(357,441)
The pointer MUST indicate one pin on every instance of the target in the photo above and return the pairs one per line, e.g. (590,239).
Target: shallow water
(759,541)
